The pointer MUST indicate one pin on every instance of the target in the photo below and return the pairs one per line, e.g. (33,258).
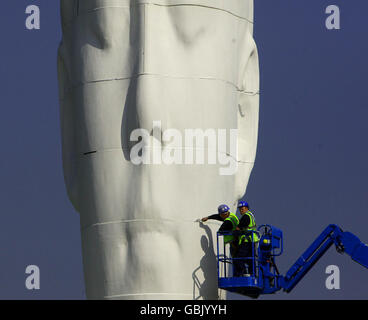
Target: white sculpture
(154,65)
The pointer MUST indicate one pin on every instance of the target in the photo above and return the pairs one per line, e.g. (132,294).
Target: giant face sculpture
(155,65)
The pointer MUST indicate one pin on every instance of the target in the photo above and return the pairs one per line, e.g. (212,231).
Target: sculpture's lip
(150,296)
(127,77)
(146,220)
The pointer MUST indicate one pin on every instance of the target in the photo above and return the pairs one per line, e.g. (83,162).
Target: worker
(230,222)
(248,240)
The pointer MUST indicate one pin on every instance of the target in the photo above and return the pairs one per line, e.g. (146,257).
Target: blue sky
(311,167)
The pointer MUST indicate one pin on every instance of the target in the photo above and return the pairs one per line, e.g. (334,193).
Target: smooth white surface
(122,65)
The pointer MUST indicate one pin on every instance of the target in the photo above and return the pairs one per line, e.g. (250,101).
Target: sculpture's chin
(140,236)
(150,259)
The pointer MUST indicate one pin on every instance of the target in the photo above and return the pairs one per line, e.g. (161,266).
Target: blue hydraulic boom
(264,277)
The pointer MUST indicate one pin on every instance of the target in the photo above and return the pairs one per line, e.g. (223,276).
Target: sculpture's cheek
(209,47)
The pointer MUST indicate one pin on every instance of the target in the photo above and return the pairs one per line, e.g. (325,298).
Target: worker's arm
(226,226)
(215,216)
(244,222)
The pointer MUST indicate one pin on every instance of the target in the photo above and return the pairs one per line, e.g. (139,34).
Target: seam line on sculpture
(144,40)
(159,147)
(203,6)
(167,5)
(140,220)
(80,84)
(89,152)
(147,294)
(160,75)
(180,148)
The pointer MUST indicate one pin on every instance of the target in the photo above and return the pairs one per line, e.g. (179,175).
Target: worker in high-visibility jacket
(248,240)
(230,223)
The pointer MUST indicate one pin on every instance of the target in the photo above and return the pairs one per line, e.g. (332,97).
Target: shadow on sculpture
(130,120)
(206,290)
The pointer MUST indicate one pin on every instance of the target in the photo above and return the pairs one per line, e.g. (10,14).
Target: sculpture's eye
(189,24)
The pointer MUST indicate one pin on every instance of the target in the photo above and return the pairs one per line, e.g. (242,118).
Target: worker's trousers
(245,259)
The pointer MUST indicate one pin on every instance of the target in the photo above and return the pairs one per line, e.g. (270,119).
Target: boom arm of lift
(344,242)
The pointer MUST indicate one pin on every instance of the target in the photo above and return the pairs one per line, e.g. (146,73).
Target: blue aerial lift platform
(265,277)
